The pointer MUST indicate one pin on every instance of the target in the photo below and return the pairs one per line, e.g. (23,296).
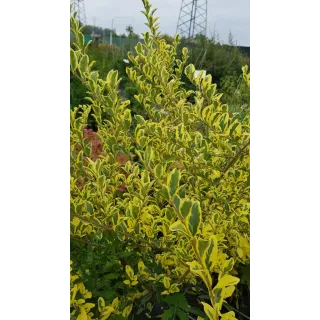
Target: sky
(223,16)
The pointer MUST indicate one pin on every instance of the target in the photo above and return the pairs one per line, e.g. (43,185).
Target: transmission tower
(79,7)
(192,18)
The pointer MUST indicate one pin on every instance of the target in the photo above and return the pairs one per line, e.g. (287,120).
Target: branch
(184,275)
(234,160)
(89,242)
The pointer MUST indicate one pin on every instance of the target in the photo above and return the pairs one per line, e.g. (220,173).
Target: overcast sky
(223,16)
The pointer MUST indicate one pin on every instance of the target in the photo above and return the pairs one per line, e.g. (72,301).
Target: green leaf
(173,181)
(127,119)
(177,300)
(149,155)
(140,119)
(212,253)
(113,77)
(146,298)
(165,192)
(184,51)
(158,171)
(164,75)
(196,311)
(194,218)
(83,64)
(168,314)
(176,201)
(139,48)
(185,208)
(202,246)
(81,39)
(179,132)
(73,60)
(228,265)
(118,317)
(111,276)
(189,71)
(182,315)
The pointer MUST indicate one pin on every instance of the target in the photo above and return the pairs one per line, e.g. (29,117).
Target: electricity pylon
(79,7)
(192,18)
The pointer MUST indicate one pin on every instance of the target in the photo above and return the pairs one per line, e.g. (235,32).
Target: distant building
(96,37)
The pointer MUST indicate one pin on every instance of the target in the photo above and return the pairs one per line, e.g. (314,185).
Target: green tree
(129,29)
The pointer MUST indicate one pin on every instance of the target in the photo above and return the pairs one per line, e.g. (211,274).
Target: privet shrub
(159,204)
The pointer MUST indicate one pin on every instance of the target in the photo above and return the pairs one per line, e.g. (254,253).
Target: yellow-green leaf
(106,313)
(141,266)
(82,315)
(228,316)
(174,288)
(159,171)
(228,265)
(73,60)
(126,311)
(83,64)
(115,303)
(202,246)
(178,226)
(88,306)
(209,311)
(189,70)
(165,192)
(204,274)
(228,292)
(194,218)
(226,281)
(185,207)
(173,181)
(101,303)
(212,257)
(240,252)
(140,119)
(129,272)
(166,282)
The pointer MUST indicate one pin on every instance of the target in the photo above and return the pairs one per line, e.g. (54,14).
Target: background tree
(230,39)
(129,29)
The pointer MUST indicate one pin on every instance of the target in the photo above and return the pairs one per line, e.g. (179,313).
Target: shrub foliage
(159,201)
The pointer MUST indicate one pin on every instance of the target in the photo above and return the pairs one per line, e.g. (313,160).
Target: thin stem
(238,312)
(193,244)
(234,160)
(184,275)
(89,242)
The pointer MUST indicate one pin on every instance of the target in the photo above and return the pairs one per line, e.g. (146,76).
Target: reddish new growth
(97,150)
(122,158)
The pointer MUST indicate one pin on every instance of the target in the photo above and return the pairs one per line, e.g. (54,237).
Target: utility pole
(94,23)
